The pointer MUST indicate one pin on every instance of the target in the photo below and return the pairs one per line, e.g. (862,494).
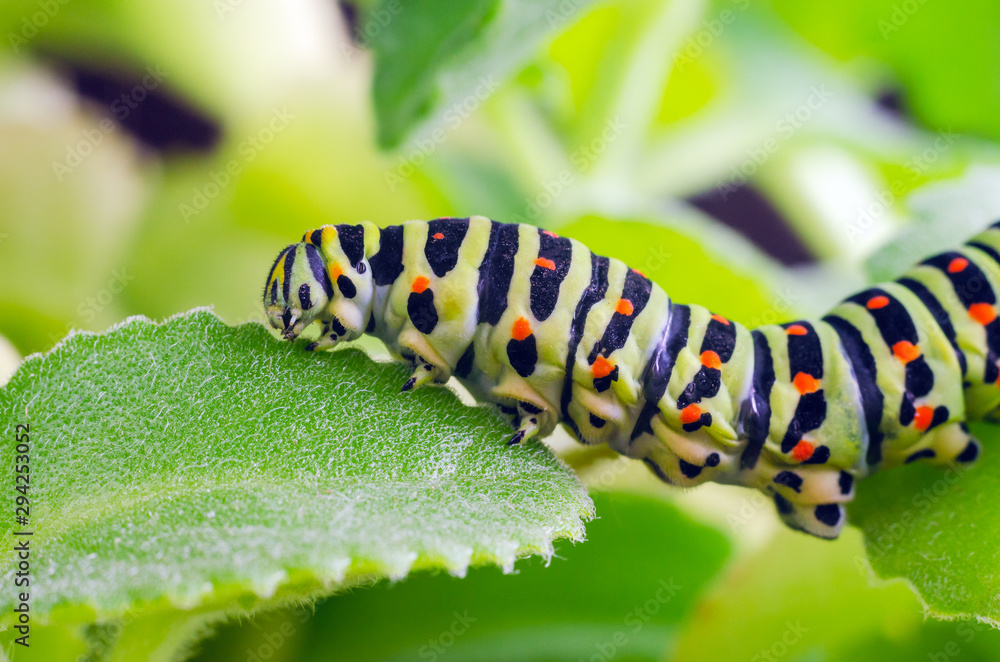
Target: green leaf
(190,464)
(952,88)
(947,213)
(938,529)
(447,57)
(968,641)
(602,600)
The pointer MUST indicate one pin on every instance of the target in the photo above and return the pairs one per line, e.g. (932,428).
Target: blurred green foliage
(945,56)
(606,122)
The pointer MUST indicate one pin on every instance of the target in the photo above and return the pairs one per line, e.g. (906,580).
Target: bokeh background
(760,157)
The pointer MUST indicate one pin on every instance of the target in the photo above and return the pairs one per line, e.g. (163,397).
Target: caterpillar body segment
(553,333)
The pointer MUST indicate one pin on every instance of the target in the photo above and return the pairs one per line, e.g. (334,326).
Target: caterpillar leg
(427,364)
(824,520)
(597,419)
(682,460)
(527,428)
(329,336)
(424,372)
(532,416)
(530,420)
(811,498)
(946,444)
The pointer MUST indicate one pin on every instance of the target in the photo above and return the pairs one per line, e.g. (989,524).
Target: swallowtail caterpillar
(552,333)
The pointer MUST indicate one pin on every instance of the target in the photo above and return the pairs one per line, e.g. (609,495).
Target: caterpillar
(553,333)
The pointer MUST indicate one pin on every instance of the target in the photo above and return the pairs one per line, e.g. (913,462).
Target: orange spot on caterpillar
(797,330)
(877,302)
(545,263)
(923,417)
(805,383)
(905,351)
(957,265)
(521,329)
(437,235)
(803,451)
(549,233)
(625,307)
(602,367)
(983,313)
(710,359)
(690,414)
(720,319)
(335,272)
(640,273)
(420,284)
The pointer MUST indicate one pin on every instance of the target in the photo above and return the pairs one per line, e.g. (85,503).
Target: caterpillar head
(298,290)
(350,278)
(325,277)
